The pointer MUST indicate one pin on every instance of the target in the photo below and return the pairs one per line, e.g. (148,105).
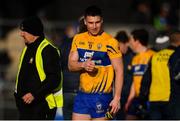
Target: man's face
(124,47)
(94,24)
(28,38)
(133,44)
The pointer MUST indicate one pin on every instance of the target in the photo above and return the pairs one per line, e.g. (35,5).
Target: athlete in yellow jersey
(138,44)
(99,49)
(139,65)
(97,56)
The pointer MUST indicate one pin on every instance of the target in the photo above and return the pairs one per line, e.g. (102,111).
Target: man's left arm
(52,69)
(118,68)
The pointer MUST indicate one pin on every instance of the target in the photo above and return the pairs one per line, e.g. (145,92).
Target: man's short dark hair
(142,35)
(93,11)
(122,37)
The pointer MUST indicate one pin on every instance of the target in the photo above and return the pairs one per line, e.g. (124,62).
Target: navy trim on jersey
(100,58)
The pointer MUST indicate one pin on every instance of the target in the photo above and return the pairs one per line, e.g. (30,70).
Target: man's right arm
(73,63)
(130,97)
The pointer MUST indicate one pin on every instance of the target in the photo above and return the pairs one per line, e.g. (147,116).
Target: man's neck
(34,39)
(141,49)
(96,34)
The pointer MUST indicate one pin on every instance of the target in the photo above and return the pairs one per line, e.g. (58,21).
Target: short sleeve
(113,49)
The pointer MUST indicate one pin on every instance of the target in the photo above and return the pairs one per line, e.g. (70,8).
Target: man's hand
(28,98)
(89,65)
(115,106)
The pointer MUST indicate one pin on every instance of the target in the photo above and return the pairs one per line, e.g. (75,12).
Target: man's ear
(85,22)
(102,20)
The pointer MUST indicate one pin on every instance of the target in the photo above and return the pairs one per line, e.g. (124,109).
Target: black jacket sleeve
(52,69)
(145,84)
(174,66)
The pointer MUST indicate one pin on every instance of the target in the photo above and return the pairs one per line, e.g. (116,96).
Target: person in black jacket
(38,90)
(174,68)
(71,79)
(127,53)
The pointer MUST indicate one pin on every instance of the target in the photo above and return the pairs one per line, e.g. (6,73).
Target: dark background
(114,10)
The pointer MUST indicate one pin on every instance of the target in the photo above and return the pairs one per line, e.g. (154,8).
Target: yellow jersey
(139,66)
(100,49)
(160,85)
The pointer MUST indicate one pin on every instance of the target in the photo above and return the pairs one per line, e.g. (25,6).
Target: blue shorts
(95,105)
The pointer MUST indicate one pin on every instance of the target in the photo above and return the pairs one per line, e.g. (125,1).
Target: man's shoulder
(50,48)
(143,55)
(151,51)
(177,50)
(107,36)
(175,56)
(164,52)
(174,65)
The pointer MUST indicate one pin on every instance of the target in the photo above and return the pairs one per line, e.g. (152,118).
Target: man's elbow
(70,67)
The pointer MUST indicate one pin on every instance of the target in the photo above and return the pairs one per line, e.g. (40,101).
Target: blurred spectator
(161,42)
(161,20)
(138,43)
(142,13)
(159,91)
(71,79)
(4,62)
(14,45)
(123,39)
(174,67)
(70,31)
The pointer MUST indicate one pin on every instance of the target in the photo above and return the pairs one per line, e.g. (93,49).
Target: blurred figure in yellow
(158,75)
(138,43)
